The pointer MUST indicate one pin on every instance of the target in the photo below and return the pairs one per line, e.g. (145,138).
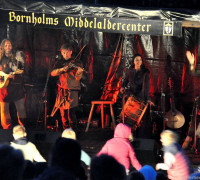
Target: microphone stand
(44,96)
(194,146)
(124,65)
(163,106)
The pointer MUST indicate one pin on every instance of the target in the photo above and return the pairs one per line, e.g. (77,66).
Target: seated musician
(68,85)
(137,77)
(12,89)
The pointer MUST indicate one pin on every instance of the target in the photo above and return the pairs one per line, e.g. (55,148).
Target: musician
(68,85)
(11,62)
(137,78)
(191,60)
(191,131)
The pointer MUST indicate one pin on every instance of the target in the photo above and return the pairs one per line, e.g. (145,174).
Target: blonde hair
(169,137)
(19,130)
(69,133)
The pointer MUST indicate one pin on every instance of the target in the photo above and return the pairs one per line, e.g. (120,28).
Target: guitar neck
(172,101)
(172,96)
(18,71)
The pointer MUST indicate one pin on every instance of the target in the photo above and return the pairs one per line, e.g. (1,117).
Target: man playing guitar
(11,86)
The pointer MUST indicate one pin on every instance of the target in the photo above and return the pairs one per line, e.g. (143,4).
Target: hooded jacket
(120,147)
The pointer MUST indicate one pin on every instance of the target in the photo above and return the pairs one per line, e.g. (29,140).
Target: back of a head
(169,137)
(122,131)
(11,163)
(53,173)
(161,176)
(66,154)
(148,172)
(194,176)
(107,168)
(136,175)
(69,133)
(19,131)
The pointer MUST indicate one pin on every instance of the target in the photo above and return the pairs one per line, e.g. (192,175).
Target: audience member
(11,163)
(40,167)
(161,175)
(33,170)
(148,172)
(194,176)
(66,154)
(107,168)
(136,175)
(28,149)
(69,133)
(175,161)
(56,173)
(29,170)
(120,147)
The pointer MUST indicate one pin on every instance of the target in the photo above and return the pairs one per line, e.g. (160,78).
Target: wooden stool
(102,103)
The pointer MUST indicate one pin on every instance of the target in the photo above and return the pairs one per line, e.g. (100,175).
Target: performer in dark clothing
(70,74)
(11,83)
(137,80)
(195,121)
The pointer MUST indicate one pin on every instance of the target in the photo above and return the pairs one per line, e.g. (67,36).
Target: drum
(134,110)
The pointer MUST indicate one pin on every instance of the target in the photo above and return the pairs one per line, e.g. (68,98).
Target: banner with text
(112,25)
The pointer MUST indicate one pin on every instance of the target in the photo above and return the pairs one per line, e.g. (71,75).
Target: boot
(186,142)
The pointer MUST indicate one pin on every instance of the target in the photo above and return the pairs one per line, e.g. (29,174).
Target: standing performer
(11,83)
(68,85)
(191,131)
(137,78)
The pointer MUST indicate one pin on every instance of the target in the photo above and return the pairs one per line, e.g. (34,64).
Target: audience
(105,167)
(11,163)
(65,159)
(120,147)
(28,149)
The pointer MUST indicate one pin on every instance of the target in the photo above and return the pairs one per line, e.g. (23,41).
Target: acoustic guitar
(4,78)
(174,118)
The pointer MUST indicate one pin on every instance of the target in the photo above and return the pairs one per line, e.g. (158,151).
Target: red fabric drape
(113,80)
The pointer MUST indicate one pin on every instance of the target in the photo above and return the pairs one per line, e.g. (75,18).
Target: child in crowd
(120,147)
